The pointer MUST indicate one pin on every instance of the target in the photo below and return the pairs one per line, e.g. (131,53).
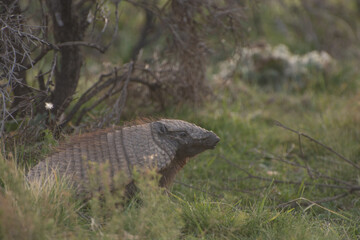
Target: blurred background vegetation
(232,66)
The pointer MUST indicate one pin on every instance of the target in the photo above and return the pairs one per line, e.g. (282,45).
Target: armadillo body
(164,145)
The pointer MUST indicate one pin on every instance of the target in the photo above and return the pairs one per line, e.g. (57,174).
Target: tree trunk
(70,23)
(191,53)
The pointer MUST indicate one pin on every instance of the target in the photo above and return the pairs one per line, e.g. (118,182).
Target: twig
(120,103)
(317,173)
(116,25)
(82,43)
(308,169)
(295,202)
(33,37)
(111,92)
(308,204)
(102,84)
(198,189)
(319,143)
(148,84)
(53,65)
(329,199)
(351,188)
(4,110)
(142,41)
(40,78)
(31,63)
(90,93)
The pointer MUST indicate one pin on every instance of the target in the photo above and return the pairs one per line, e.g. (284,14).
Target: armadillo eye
(183,134)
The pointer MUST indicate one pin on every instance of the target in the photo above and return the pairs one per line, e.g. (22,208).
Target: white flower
(272,173)
(49,106)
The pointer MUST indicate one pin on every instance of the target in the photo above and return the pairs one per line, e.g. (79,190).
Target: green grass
(213,197)
(221,202)
(244,117)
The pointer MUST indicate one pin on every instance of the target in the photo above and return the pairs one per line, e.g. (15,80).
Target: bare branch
(142,41)
(308,169)
(249,175)
(116,25)
(82,43)
(111,92)
(101,84)
(308,203)
(120,103)
(53,65)
(91,92)
(319,143)
(314,173)
(33,62)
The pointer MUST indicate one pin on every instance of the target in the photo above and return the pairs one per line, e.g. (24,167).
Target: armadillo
(165,145)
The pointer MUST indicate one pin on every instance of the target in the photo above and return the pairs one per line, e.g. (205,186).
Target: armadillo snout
(212,140)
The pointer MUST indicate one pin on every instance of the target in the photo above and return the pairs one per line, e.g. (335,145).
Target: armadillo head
(187,138)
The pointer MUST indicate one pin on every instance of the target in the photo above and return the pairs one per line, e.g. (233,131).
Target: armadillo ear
(160,127)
